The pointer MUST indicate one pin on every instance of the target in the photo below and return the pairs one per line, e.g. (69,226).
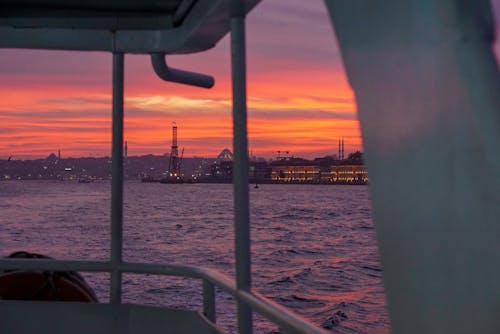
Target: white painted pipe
(179,76)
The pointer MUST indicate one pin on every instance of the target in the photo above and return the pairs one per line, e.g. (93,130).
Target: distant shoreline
(199,182)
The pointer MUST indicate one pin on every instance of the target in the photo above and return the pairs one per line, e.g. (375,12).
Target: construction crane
(180,162)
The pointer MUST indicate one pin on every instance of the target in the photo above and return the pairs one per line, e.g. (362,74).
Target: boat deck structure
(427,91)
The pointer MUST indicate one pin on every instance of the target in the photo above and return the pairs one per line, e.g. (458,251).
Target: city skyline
(298,96)
(275,155)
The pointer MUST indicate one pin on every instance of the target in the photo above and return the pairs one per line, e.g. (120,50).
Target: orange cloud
(305,119)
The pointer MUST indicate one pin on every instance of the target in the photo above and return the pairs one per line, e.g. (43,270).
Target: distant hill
(100,168)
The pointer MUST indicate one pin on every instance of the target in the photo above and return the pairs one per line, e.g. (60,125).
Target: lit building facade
(296,170)
(349,174)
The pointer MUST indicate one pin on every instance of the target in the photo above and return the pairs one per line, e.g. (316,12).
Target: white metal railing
(210,278)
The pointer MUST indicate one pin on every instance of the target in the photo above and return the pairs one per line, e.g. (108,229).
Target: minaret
(59,154)
(340,157)
(342,148)
(125,150)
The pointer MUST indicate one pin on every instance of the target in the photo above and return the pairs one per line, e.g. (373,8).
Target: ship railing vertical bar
(209,300)
(240,163)
(117,179)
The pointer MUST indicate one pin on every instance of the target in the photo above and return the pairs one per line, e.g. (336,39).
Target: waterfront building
(322,170)
(295,170)
(349,174)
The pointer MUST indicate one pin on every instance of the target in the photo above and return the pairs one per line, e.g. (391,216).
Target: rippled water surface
(313,247)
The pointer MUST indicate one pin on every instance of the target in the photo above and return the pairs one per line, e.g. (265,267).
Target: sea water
(314,248)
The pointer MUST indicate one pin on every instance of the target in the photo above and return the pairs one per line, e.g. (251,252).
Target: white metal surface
(240,164)
(428,95)
(30,317)
(116,25)
(117,176)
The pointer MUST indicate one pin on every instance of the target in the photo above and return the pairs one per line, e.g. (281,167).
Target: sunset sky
(298,97)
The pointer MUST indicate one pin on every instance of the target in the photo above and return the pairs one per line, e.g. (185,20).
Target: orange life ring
(46,285)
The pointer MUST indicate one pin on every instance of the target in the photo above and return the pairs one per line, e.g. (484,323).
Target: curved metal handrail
(279,315)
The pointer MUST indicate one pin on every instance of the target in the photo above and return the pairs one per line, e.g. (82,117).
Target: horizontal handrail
(276,313)
(54,265)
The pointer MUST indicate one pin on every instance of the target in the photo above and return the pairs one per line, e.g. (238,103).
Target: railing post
(209,300)
(117,178)
(240,163)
